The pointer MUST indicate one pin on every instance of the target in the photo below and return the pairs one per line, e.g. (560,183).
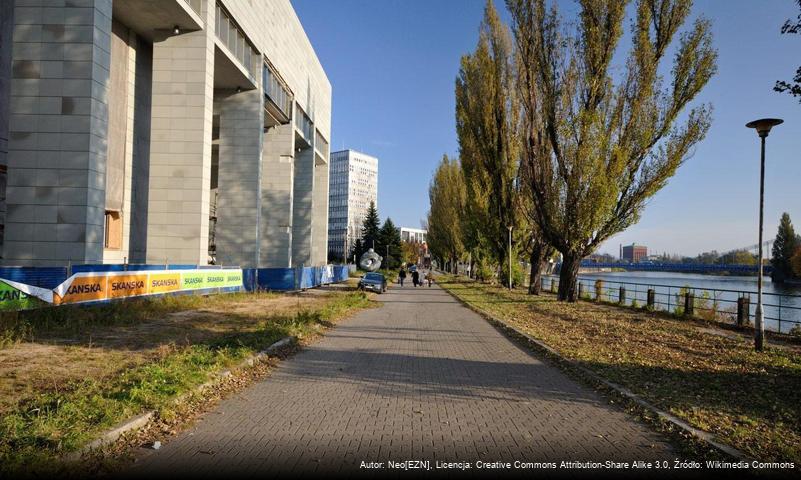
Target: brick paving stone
(422,377)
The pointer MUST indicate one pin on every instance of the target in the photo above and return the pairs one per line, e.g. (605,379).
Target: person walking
(430,278)
(415,278)
(402,275)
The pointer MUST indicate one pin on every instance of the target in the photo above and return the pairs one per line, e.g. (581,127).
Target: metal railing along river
(782,311)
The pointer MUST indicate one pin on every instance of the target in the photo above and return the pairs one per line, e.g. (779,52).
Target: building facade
(413,235)
(634,253)
(353,185)
(170,131)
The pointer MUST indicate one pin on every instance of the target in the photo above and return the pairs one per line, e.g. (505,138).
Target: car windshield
(374,276)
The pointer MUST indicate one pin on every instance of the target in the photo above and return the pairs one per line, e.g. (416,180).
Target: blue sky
(392,66)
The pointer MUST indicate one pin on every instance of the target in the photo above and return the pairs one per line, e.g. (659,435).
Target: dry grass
(714,381)
(68,373)
(49,359)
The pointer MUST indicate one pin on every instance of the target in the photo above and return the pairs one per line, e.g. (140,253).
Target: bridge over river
(732,269)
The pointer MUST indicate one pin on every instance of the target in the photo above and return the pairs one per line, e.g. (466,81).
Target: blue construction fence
(285,279)
(281,279)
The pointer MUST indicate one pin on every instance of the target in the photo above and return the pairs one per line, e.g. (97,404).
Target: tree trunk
(538,253)
(568,277)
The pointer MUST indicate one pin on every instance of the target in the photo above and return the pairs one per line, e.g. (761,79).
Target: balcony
(321,146)
(277,98)
(234,55)
(304,128)
(156,20)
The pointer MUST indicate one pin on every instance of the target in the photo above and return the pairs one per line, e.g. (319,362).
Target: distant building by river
(633,253)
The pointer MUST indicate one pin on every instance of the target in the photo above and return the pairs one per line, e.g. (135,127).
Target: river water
(782,303)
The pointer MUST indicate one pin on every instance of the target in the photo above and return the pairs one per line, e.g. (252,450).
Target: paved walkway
(420,378)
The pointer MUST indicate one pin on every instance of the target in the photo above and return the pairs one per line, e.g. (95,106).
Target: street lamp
(510,257)
(762,127)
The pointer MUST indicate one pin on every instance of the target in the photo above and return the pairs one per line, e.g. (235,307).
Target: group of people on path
(415,276)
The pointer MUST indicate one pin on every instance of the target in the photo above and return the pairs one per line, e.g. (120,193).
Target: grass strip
(713,382)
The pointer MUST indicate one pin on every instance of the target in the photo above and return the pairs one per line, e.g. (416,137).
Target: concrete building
(352,186)
(633,253)
(177,131)
(413,235)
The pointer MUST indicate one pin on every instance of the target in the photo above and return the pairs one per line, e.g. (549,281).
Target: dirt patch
(56,359)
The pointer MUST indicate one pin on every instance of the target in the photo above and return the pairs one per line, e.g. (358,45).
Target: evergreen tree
(371,229)
(390,241)
(784,247)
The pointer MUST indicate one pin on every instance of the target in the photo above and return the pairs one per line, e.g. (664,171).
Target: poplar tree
(596,147)
(448,197)
(487,121)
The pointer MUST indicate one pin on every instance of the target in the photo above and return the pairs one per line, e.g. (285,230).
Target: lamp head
(763,125)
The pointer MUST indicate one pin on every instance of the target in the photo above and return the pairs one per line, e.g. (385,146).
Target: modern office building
(633,253)
(413,235)
(353,185)
(177,131)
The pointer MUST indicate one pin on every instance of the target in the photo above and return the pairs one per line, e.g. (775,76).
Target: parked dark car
(373,281)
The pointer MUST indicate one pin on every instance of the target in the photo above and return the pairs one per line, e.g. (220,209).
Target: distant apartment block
(353,185)
(634,253)
(170,131)
(413,235)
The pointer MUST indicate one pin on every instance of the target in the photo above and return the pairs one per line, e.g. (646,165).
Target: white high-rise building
(353,185)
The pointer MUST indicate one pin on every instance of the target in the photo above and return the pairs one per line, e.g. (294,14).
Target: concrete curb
(143,419)
(703,435)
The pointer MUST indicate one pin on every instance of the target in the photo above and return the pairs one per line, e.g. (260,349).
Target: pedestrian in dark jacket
(415,278)
(402,275)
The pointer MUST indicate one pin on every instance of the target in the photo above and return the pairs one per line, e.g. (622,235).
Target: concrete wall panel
(61,134)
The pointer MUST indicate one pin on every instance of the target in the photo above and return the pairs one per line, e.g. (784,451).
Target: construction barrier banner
(120,286)
(193,280)
(12,298)
(82,288)
(164,283)
(99,286)
(233,278)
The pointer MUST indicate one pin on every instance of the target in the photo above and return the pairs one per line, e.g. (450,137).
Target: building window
(231,35)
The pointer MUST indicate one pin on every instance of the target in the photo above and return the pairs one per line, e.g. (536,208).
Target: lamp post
(510,257)
(762,127)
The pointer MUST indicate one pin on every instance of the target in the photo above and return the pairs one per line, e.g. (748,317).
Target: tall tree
(390,244)
(448,197)
(794,87)
(595,149)
(487,120)
(784,247)
(370,229)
